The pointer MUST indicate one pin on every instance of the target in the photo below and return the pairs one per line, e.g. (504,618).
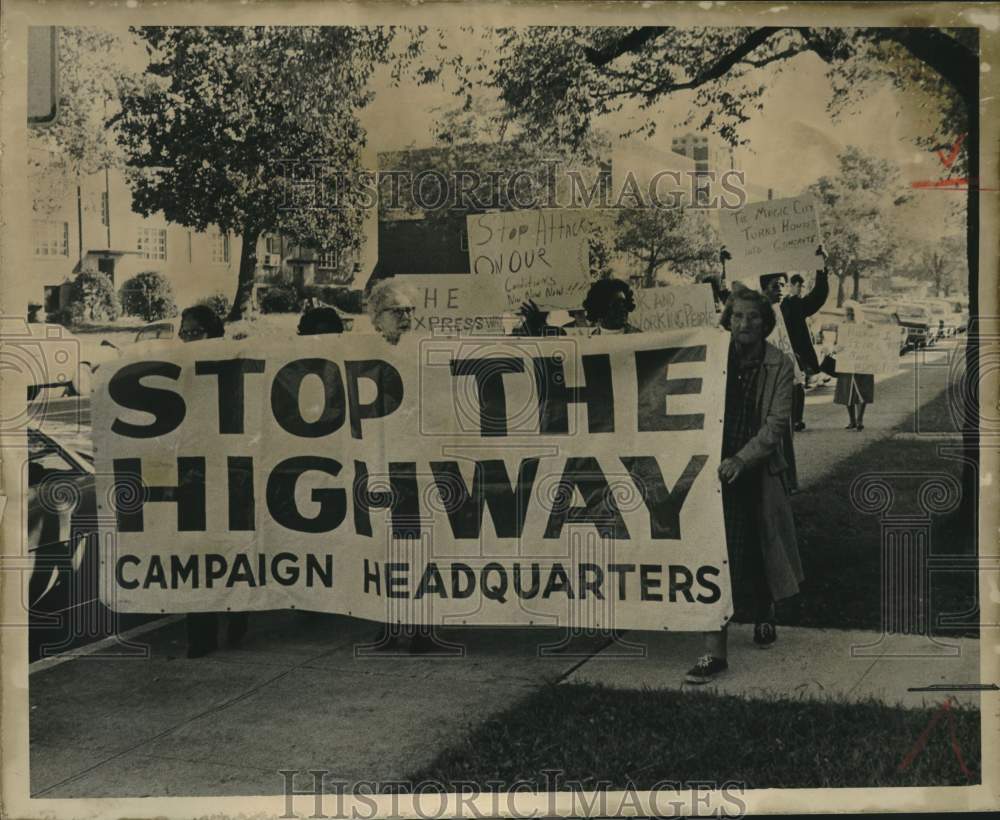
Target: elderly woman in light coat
(760,531)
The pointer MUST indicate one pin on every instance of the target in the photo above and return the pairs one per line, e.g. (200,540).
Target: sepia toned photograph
(499,410)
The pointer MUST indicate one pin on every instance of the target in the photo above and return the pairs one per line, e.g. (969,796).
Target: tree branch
(636,39)
(633,41)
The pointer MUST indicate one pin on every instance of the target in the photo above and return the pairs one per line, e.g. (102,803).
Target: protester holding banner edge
(760,530)
(200,322)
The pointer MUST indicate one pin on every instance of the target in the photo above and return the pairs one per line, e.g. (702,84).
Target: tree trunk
(248,268)
(649,278)
(840,288)
(856,276)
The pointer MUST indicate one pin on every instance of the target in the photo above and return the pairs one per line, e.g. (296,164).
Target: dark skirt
(740,503)
(854,388)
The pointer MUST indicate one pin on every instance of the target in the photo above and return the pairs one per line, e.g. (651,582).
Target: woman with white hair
(855,390)
(390,309)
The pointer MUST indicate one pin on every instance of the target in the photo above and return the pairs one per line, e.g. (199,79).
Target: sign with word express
(449,305)
(524,481)
(770,237)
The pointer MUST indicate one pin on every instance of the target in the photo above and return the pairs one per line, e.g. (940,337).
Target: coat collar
(772,356)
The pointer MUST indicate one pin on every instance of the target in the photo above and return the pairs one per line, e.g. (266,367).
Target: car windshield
(164,330)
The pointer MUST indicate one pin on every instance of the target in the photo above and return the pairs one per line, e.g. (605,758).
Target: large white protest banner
(541,254)
(867,348)
(772,236)
(448,305)
(517,481)
(677,307)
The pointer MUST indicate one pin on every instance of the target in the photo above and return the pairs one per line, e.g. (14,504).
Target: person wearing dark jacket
(795,309)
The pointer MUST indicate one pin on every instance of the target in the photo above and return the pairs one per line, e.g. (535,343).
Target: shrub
(92,298)
(219,303)
(149,295)
(279,299)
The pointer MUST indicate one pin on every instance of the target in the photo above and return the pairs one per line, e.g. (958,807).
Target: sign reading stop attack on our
(770,237)
(531,482)
(677,307)
(543,255)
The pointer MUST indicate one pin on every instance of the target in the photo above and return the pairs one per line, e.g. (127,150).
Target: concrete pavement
(844,665)
(295,696)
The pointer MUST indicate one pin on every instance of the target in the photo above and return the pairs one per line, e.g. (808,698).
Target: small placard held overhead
(770,237)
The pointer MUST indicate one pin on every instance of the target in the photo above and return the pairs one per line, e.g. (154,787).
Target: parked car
(64,586)
(941,313)
(921,331)
(882,316)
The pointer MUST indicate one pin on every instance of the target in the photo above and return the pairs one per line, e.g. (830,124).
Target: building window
(220,249)
(328,260)
(272,244)
(153,243)
(105,210)
(51,238)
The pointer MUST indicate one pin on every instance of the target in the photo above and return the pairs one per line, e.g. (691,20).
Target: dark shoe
(706,670)
(800,426)
(851,426)
(860,427)
(236,629)
(765,634)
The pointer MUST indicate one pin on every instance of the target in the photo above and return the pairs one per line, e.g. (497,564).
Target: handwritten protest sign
(767,237)
(542,255)
(678,307)
(867,348)
(524,481)
(449,305)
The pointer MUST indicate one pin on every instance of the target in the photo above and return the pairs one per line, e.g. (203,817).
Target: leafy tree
(675,237)
(149,295)
(557,81)
(252,130)
(77,143)
(861,238)
(941,263)
(219,302)
(92,298)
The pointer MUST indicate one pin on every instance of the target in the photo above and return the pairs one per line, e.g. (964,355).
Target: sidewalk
(299,696)
(295,696)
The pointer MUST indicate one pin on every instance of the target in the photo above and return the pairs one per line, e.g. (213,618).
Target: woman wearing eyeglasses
(390,309)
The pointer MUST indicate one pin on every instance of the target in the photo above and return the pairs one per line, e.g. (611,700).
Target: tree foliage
(556,81)
(940,262)
(676,238)
(149,295)
(78,143)
(92,298)
(860,234)
(253,130)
